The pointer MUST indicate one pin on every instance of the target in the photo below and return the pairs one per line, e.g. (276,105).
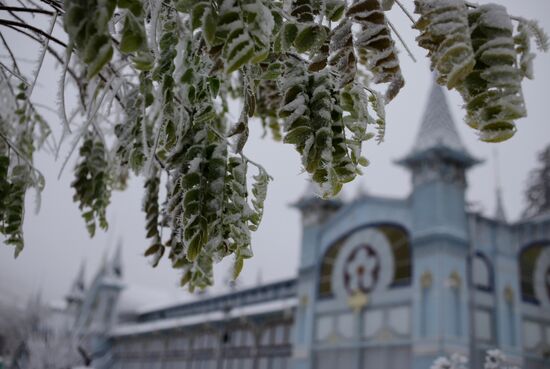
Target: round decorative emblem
(361,269)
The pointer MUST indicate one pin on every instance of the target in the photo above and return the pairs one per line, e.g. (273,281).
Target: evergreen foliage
(157,82)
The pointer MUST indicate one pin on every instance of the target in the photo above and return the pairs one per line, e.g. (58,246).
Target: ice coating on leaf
(492,91)
(92,183)
(445,34)
(314,123)
(243,29)
(87,24)
(375,45)
(342,54)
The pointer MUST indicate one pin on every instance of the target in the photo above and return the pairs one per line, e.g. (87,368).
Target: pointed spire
(362,191)
(76,293)
(116,263)
(438,132)
(500,213)
(437,127)
(35,301)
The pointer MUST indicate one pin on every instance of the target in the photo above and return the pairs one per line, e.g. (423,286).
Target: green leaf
(310,37)
(185,6)
(214,86)
(104,55)
(237,267)
(134,6)
(288,35)
(133,35)
(335,9)
(209,23)
(143,61)
(197,14)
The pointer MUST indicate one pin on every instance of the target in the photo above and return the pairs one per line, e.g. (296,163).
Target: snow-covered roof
(219,315)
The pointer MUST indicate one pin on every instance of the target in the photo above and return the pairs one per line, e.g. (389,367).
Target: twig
(54,4)
(19,154)
(12,56)
(7,22)
(41,59)
(405,11)
(13,73)
(25,10)
(257,165)
(401,40)
(62,91)
(90,117)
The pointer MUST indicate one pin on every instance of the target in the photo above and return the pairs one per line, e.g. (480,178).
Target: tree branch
(11,24)
(25,10)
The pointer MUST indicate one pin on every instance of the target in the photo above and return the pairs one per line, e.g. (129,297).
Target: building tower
(438,163)
(99,308)
(315,212)
(75,297)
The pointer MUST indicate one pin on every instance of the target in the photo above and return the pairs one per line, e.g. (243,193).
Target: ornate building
(383,283)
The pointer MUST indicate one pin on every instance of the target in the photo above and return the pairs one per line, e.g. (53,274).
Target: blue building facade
(383,283)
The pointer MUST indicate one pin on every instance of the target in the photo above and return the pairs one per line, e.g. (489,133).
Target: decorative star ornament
(358,300)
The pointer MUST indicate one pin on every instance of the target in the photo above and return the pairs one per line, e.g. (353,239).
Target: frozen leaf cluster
(92,183)
(476,52)
(167,90)
(22,131)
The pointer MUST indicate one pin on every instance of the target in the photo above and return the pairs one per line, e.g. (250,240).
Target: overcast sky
(57,241)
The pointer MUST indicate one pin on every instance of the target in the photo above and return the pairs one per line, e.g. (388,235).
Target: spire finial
(79,281)
(117,259)
(362,191)
(500,214)
(76,293)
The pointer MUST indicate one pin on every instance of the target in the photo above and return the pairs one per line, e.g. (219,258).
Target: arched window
(528,259)
(482,272)
(398,239)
